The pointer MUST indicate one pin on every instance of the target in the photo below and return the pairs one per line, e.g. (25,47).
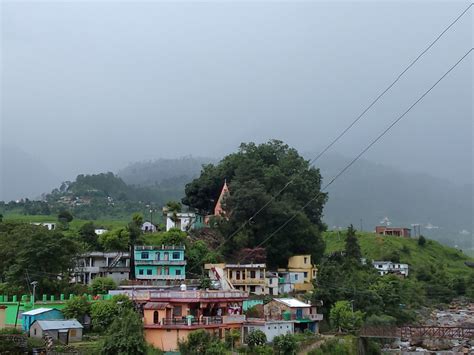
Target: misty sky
(91,86)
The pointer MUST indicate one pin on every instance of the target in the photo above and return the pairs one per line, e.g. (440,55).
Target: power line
(357,119)
(380,136)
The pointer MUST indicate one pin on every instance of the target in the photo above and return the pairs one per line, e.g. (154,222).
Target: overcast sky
(91,86)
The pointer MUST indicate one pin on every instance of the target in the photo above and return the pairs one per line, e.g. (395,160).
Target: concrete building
(271,327)
(28,318)
(115,265)
(272,281)
(287,281)
(160,263)
(297,265)
(392,231)
(99,231)
(388,267)
(65,331)
(245,277)
(148,227)
(48,225)
(303,314)
(169,316)
(184,221)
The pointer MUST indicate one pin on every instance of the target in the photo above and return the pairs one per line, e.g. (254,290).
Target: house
(303,314)
(66,331)
(246,277)
(301,264)
(28,318)
(287,281)
(392,231)
(99,231)
(184,221)
(388,267)
(271,285)
(271,327)
(169,316)
(115,265)
(48,225)
(148,227)
(160,263)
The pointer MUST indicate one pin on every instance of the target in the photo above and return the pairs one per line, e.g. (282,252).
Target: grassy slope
(377,247)
(74,225)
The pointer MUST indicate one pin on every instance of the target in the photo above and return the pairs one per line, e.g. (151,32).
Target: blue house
(39,314)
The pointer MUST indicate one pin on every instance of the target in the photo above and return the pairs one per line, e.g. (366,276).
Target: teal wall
(173,255)
(155,270)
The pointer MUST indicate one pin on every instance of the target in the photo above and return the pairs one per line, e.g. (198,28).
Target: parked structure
(65,331)
(272,328)
(28,318)
(388,267)
(297,265)
(392,231)
(115,265)
(245,277)
(160,263)
(184,221)
(303,314)
(169,316)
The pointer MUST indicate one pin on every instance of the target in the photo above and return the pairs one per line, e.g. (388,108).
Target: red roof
(156,305)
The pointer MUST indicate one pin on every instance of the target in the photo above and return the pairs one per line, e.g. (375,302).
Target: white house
(49,225)
(99,231)
(271,328)
(183,221)
(148,227)
(388,267)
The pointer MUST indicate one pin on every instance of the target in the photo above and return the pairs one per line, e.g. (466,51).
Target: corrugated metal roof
(59,324)
(292,302)
(36,311)
(156,305)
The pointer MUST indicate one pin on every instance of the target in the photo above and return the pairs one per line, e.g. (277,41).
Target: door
(299,313)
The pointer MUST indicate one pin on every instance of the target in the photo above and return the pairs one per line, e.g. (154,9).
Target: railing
(248,281)
(198,294)
(237,318)
(160,262)
(159,247)
(192,321)
(160,277)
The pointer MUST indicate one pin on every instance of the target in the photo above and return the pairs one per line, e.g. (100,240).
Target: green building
(160,263)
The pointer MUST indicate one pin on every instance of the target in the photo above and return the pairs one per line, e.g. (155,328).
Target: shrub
(256,338)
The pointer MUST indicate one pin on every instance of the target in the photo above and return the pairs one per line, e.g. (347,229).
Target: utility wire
(364,150)
(357,119)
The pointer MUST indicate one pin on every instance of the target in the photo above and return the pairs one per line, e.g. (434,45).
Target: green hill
(406,250)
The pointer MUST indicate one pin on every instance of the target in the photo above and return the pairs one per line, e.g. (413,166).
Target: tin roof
(37,311)
(292,302)
(59,324)
(156,305)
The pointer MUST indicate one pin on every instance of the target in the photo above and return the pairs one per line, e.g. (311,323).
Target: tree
(102,285)
(343,318)
(77,307)
(255,175)
(88,236)
(285,344)
(232,337)
(352,245)
(421,241)
(65,216)
(256,338)
(115,240)
(125,335)
(199,342)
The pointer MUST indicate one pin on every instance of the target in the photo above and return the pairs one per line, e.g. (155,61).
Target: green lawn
(375,247)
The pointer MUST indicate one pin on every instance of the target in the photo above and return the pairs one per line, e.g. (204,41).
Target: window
(177,311)
(176,255)
(155,317)
(145,255)
(252,288)
(149,272)
(72,332)
(178,272)
(252,274)
(305,275)
(296,276)
(237,275)
(305,259)
(34,331)
(140,272)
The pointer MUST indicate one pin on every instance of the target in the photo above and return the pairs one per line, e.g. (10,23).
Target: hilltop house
(115,265)
(388,267)
(48,225)
(160,263)
(148,227)
(392,231)
(169,316)
(304,315)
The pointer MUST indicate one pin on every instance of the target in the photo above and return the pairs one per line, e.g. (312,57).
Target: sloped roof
(59,324)
(156,305)
(37,311)
(292,302)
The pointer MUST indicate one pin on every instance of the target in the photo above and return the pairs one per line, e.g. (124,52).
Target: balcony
(159,262)
(189,322)
(248,282)
(160,277)
(198,294)
(236,318)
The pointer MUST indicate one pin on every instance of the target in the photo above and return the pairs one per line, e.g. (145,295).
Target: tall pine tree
(352,244)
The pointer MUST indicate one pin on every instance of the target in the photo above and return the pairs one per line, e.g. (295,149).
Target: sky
(92,86)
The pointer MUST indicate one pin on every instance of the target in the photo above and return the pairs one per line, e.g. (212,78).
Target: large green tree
(256,175)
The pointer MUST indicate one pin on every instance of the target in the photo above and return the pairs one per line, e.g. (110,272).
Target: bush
(285,344)
(421,241)
(256,338)
(102,285)
(77,307)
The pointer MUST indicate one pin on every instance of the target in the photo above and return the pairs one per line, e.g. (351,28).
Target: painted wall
(27,320)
